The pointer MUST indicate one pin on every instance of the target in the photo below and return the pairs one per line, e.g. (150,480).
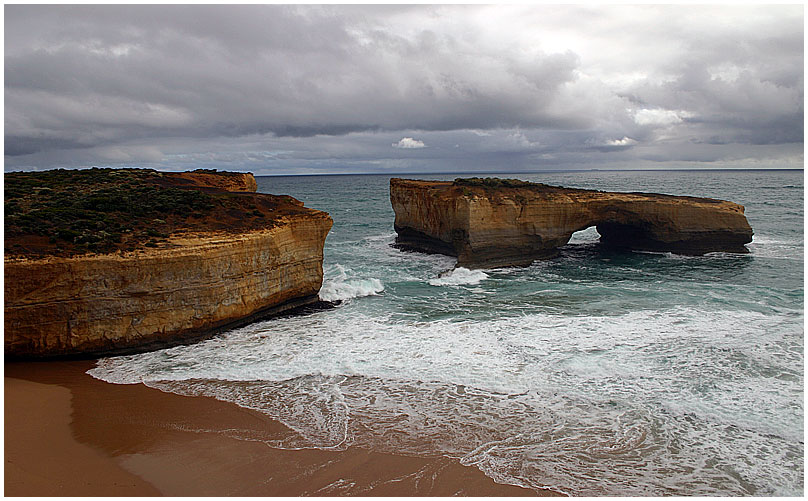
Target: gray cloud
(313,87)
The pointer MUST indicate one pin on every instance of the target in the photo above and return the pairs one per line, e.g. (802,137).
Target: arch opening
(588,235)
(626,236)
(637,235)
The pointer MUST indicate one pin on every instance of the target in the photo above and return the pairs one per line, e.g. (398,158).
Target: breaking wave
(459,276)
(341,287)
(579,404)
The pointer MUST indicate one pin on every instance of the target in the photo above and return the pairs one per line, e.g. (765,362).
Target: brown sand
(67,433)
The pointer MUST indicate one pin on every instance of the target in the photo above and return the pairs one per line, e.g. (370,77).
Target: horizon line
(517,172)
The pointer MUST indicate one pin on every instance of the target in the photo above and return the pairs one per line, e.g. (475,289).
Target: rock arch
(492,223)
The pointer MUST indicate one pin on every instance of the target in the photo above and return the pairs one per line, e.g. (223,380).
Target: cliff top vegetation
(71,212)
(495,182)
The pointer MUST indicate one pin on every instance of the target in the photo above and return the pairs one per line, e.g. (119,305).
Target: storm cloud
(277,89)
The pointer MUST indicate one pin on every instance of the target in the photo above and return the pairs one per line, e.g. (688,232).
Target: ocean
(594,373)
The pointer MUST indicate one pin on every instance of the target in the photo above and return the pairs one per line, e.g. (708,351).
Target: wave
(763,246)
(341,287)
(623,404)
(350,289)
(459,276)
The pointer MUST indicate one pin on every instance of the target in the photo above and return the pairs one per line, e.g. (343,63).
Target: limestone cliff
(228,181)
(513,223)
(190,284)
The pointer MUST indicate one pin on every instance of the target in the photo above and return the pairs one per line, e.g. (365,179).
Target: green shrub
(95,209)
(154,233)
(494,182)
(67,234)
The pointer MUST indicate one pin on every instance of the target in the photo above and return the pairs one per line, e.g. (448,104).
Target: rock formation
(492,223)
(193,284)
(228,181)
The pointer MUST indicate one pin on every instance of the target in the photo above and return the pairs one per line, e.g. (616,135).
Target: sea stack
(109,261)
(489,223)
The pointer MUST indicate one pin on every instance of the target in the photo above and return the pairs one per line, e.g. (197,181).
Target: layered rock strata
(227,181)
(512,223)
(195,284)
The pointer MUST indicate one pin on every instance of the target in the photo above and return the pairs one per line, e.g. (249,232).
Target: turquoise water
(595,373)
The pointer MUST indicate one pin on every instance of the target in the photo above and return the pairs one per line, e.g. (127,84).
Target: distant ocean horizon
(595,373)
(516,173)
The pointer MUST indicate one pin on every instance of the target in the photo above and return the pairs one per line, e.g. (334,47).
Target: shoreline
(67,434)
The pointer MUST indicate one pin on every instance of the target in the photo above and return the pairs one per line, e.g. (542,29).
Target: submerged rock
(490,223)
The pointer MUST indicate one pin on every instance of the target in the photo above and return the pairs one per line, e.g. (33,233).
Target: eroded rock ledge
(194,283)
(493,223)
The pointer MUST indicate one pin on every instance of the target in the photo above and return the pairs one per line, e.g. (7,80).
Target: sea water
(594,373)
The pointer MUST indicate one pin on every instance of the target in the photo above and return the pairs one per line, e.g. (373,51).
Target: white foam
(349,289)
(763,246)
(340,287)
(540,399)
(459,276)
(507,355)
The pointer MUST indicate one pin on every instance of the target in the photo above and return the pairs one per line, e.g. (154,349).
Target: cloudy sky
(318,89)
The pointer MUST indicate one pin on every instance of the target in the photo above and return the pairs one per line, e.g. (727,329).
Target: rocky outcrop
(493,223)
(194,284)
(227,181)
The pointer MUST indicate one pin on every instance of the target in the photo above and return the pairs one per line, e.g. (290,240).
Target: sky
(294,89)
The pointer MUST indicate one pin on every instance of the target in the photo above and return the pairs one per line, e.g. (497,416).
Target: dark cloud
(316,86)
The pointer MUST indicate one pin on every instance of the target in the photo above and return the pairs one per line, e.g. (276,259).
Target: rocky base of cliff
(692,244)
(294,307)
(410,240)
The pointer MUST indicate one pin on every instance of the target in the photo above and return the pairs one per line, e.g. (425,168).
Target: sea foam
(545,400)
(459,276)
(340,286)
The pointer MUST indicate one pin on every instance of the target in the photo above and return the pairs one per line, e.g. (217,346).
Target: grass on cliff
(68,212)
(491,185)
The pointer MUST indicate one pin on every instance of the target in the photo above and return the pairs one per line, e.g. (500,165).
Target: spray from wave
(459,276)
(340,286)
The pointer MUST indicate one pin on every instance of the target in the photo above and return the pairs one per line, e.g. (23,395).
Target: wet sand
(69,434)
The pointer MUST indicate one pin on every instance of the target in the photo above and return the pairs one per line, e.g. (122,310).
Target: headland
(105,261)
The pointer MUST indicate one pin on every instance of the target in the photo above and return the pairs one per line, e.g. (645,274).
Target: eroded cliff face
(201,283)
(257,256)
(227,181)
(488,227)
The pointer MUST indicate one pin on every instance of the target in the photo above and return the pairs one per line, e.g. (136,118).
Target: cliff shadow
(587,247)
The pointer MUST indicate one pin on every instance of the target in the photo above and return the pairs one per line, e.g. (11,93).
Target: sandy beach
(68,434)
